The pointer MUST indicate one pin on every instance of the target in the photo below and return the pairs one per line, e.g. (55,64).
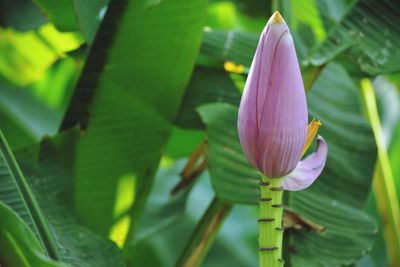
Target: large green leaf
(220,46)
(61,13)
(305,23)
(19,66)
(49,173)
(167,222)
(332,11)
(158,226)
(335,200)
(30,116)
(207,85)
(337,103)
(191,139)
(19,247)
(22,15)
(359,36)
(306,14)
(76,15)
(90,14)
(171,219)
(370,33)
(239,14)
(16,193)
(127,97)
(41,193)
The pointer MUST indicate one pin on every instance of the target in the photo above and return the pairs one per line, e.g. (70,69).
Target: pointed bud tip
(277,18)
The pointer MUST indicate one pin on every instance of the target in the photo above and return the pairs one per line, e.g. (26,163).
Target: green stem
(383,185)
(204,234)
(270,223)
(287,237)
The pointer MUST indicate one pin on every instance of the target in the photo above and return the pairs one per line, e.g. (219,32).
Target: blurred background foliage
(119,143)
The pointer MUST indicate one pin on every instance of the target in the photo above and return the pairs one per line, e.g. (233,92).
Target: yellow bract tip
(276,17)
(311,133)
(230,66)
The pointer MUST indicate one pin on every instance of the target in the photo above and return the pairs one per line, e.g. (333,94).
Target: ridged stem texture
(270,223)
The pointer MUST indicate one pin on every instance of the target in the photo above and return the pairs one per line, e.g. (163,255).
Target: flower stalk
(273,132)
(270,223)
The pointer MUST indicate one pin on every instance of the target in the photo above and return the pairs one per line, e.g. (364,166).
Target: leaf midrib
(27,196)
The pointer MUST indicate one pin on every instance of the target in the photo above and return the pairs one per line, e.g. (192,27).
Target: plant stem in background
(204,234)
(310,75)
(191,171)
(270,223)
(383,181)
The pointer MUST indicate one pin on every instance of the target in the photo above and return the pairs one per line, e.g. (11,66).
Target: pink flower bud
(272,121)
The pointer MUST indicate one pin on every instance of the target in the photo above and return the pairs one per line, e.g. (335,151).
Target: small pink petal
(308,170)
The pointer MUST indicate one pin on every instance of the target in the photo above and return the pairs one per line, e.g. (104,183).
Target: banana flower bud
(272,119)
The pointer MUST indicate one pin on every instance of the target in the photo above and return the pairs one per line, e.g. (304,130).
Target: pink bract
(272,120)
